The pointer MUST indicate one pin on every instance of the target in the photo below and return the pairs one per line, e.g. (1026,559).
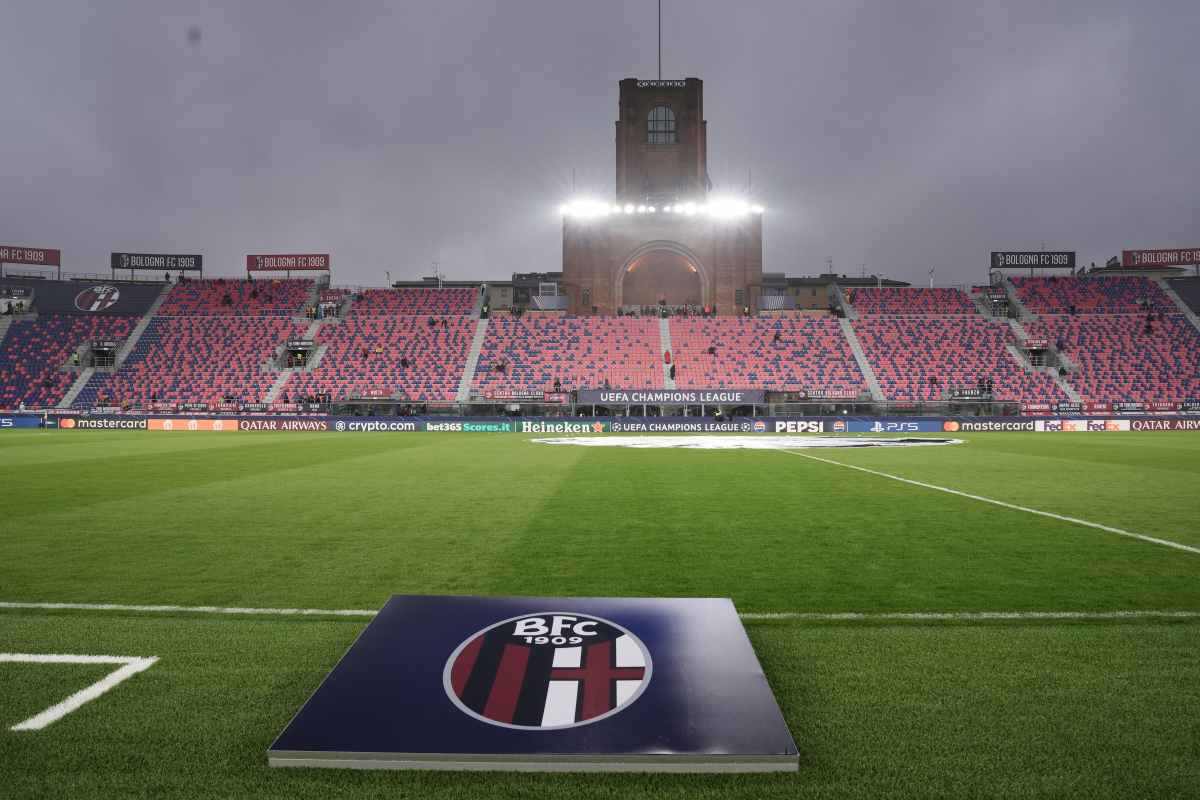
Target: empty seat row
(807,353)
(921,359)
(434,301)
(233,297)
(1124,358)
(530,352)
(1088,294)
(371,355)
(33,352)
(910,300)
(197,358)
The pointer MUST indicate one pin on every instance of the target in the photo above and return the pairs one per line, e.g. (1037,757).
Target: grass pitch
(1022,707)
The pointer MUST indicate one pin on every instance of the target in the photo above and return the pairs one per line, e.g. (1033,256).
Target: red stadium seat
(582,353)
(34,350)
(904,300)
(811,354)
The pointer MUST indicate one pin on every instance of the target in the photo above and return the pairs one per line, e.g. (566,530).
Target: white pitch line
(855,616)
(166,609)
(817,616)
(130,666)
(1075,520)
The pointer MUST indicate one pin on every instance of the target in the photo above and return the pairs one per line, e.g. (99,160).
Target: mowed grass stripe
(1048,710)
(143,469)
(407,514)
(466,513)
(1002,504)
(802,536)
(1139,481)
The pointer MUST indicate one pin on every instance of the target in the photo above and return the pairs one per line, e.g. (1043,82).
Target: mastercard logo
(950,426)
(66,423)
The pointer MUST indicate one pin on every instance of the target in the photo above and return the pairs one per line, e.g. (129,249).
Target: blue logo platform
(545,684)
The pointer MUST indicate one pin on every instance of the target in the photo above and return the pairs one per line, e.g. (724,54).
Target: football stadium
(658,515)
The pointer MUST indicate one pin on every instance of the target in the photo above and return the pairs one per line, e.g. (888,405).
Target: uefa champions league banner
(654,397)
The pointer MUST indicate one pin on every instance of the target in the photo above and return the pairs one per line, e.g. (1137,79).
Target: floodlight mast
(660,40)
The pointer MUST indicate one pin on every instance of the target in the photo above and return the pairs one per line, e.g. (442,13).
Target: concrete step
(468,373)
(1018,329)
(664,335)
(1014,302)
(81,381)
(860,356)
(1022,358)
(840,298)
(143,323)
(280,381)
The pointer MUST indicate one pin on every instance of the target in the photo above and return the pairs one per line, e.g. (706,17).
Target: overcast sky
(899,134)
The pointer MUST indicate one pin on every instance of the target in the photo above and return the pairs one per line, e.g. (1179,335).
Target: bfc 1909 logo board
(522,683)
(97,298)
(546,671)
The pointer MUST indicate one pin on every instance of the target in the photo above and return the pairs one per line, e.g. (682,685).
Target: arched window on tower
(660,126)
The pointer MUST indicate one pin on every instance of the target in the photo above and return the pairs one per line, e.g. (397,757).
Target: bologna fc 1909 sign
(547,670)
(518,683)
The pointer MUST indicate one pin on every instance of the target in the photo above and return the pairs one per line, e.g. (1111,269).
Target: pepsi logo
(547,671)
(760,426)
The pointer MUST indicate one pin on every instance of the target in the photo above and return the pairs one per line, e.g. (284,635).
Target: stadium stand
(33,351)
(438,302)
(528,353)
(259,298)
(811,354)
(1121,361)
(1090,295)
(906,351)
(1188,290)
(203,358)
(367,352)
(910,301)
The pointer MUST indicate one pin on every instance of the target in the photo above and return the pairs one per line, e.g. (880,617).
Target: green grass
(1006,709)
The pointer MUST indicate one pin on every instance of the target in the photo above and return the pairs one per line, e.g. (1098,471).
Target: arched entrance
(662,271)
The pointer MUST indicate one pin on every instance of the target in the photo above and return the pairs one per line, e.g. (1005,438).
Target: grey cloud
(896,135)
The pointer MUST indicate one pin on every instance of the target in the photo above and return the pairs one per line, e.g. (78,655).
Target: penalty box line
(809,616)
(128,666)
(1061,517)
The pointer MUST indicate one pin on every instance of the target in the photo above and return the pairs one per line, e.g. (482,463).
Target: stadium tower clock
(665,237)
